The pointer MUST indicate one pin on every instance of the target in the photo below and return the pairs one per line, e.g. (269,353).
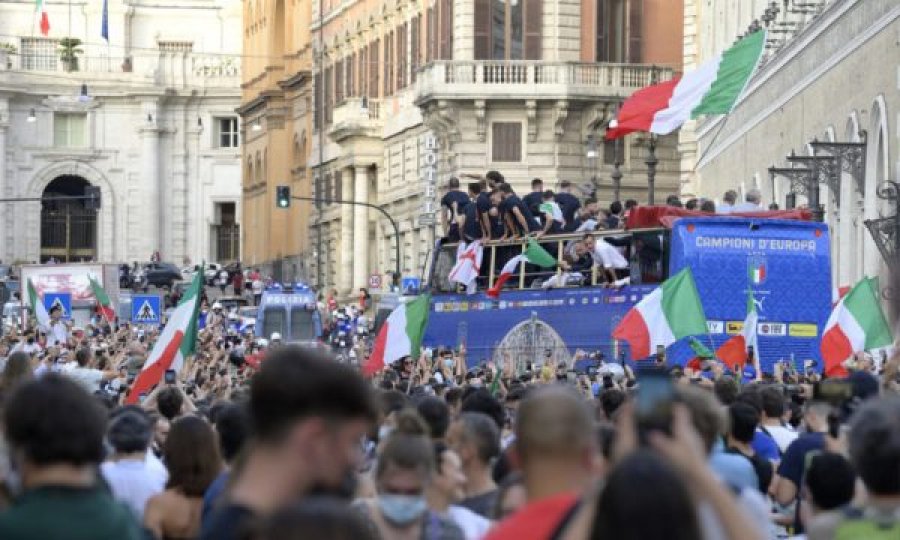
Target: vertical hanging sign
(429,181)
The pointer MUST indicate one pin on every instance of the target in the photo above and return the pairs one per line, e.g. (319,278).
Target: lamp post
(801,179)
(820,171)
(651,162)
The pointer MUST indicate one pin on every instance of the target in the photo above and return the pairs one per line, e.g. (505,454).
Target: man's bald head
(553,422)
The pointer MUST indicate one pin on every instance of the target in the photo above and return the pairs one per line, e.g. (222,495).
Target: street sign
(410,285)
(146,309)
(375,281)
(426,220)
(61,299)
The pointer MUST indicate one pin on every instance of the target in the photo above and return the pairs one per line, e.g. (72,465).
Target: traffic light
(92,198)
(282,196)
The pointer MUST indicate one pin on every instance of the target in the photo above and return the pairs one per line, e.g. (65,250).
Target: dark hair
(391,401)
(772,402)
(611,400)
(408,446)
(630,203)
(54,308)
(192,456)
(295,383)
(453,182)
(482,401)
(436,414)
(875,445)
(475,187)
(743,421)
(730,196)
(495,177)
(505,188)
(537,182)
(673,200)
(233,428)
(750,395)
(480,430)
(130,430)
(708,206)
(565,184)
(169,402)
(315,517)
(547,195)
(691,204)
(615,207)
(453,395)
(83,356)
(831,481)
(53,420)
(641,481)
(726,389)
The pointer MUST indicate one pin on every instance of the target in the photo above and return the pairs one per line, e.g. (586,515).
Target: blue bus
(783,263)
(292,313)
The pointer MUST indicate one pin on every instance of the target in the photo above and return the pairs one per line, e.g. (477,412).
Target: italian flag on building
(40,10)
(177,342)
(104,305)
(400,335)
(857,323)
(671,312)
(533,254)
(713,88)
(37,307)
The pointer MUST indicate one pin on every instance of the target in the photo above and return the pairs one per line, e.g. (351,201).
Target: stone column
(4,222)
(360,228)
(345,272)
(846,256)
(150,223)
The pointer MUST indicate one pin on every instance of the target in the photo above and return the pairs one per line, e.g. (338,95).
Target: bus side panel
(784,264)
(562,320)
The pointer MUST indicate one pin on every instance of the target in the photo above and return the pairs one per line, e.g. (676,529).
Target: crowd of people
(302,446)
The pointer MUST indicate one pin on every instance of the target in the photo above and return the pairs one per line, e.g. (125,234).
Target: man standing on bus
(752,202)
(569,204)
(551,215)
(534,199)
(452,205)
(517,217)
(467,221)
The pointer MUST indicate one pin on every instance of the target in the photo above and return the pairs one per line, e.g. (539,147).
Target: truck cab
(294,314)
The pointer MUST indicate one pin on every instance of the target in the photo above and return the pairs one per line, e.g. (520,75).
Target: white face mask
(384,431)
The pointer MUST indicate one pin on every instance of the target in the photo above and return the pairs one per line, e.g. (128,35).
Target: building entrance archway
(68,228)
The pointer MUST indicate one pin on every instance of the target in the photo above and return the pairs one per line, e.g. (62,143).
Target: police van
(290,312)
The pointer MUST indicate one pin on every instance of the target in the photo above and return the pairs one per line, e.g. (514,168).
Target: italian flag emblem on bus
(757,270)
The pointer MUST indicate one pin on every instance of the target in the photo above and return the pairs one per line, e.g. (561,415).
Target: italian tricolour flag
(40,10)
(104,305)
(533,254)
(736,351)
(713,88)
(37,307)
(857,323)
(400,335)
(176,342)
(671,312)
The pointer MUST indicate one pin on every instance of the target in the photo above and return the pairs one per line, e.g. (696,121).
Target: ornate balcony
(356,116)
(490,79)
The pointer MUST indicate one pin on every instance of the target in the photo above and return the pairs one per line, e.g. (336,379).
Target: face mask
(384,431)
(449,363)
(401,509)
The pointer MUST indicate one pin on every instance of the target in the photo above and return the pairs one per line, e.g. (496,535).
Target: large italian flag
(400,335)
(533,254)
(712,88)
(40,10)
(671,312)
(37,307)
(857,323)
(176,342)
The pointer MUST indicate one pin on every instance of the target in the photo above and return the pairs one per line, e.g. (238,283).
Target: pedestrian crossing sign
(60,300)
(145,309)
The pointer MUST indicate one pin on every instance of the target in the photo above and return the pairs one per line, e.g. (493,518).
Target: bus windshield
(274,321)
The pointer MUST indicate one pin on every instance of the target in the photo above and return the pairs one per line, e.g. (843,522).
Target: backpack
(858,523)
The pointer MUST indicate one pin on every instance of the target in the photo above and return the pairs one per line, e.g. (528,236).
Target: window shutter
(430,22)
(338,185)
(361,72)
(534,21)
(351,79)
(483,29)
(600,54)
(414,47)
(635,21)
(401,55)
(329,95)
(506,142)
(388,63)
(338,82)
(373,69)
(446,27)
(317,100)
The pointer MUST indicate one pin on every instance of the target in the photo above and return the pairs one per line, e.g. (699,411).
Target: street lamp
(885,231)
(651,162)
(803,182)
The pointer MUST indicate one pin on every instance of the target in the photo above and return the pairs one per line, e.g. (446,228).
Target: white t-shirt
(607,256)
(88,378)
(474,526)
(782,436)
(257,286)
(57,333)
(133,482)
(746,207)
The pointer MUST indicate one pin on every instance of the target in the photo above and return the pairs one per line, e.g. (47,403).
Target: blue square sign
(410,285)
(62,300)
(146,309)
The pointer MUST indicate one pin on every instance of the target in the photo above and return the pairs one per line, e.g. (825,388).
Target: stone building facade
(147,116)
(834,78)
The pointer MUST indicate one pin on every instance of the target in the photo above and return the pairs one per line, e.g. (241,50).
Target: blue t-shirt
(736,471)
(212,495)
(793,463)
(765,446)
(569,204)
